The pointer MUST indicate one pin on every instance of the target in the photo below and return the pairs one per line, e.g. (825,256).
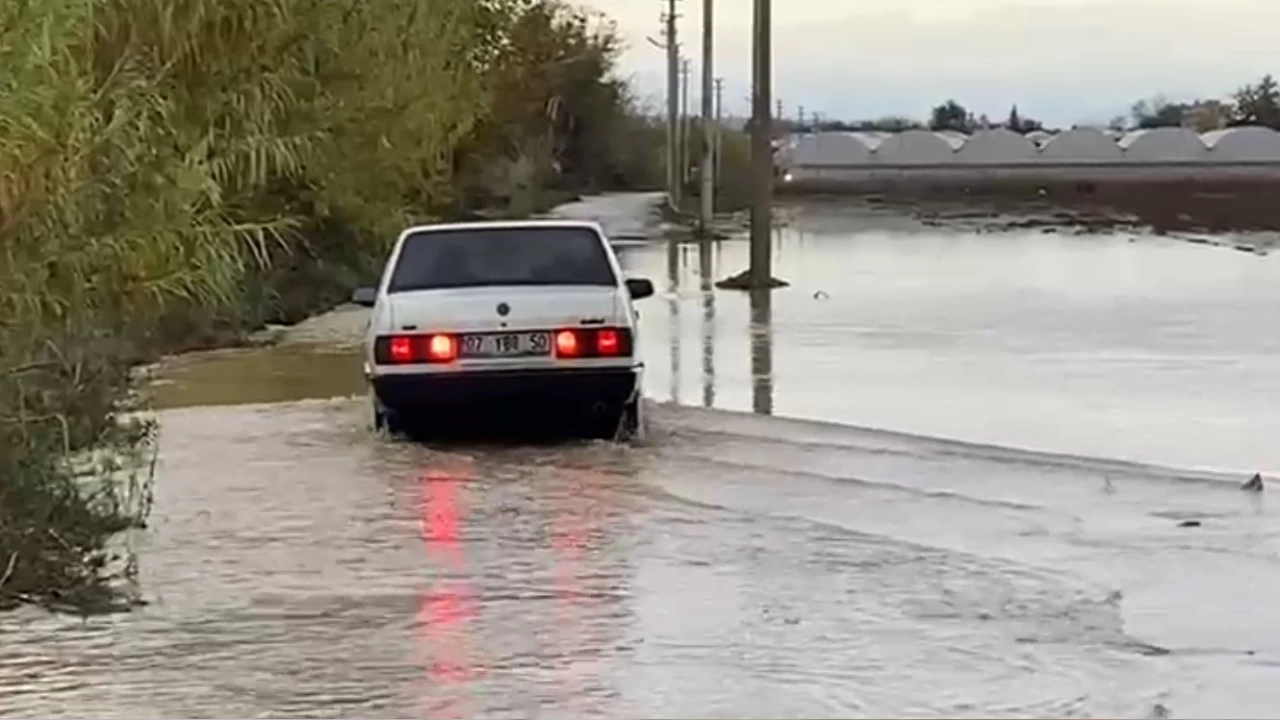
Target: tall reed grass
(174,172)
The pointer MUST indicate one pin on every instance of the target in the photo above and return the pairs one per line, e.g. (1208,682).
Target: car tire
(632,428)
(385,420)
(600,424)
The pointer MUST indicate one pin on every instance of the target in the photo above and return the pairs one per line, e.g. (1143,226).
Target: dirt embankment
(1241,215)
(1217,208)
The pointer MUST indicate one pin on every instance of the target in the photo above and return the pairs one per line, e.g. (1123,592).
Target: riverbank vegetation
(174,173)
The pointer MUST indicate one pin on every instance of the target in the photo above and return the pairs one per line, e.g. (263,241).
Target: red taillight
(441,348)
(568,344)
(409,349)
(401,349)
(577,343)
(607,342)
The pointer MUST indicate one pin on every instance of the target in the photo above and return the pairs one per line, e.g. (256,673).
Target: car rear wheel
(620,425)
(601,422)
(632,427)
(385,420)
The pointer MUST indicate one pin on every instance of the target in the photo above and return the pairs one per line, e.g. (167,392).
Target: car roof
(504,225)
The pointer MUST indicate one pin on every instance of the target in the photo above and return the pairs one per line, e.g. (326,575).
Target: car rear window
(473,257)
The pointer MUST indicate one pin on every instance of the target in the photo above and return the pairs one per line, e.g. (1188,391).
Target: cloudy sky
(1062,61)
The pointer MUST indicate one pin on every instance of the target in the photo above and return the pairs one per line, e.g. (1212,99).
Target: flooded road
(1138,347)
(733,565)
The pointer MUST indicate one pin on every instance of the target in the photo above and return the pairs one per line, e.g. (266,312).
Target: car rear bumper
(481,392)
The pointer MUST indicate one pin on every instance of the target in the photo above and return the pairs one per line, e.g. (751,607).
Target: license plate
(499,345)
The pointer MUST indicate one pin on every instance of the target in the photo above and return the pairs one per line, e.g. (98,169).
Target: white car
(529,317)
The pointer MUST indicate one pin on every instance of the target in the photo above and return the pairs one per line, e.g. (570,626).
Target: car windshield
(472,257)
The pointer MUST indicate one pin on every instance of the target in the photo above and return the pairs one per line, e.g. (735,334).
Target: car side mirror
(639,288)
(365,296)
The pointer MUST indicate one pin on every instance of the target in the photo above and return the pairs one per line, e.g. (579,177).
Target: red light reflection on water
(573,532)
(446,608)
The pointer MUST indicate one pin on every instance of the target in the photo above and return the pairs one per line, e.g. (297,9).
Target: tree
(892,123)
(1206,115)
(1258,104)
(950,115)
(558,115)
(1158,112)
(1015,121)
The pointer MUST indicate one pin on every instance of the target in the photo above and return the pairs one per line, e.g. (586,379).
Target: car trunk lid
(504,308)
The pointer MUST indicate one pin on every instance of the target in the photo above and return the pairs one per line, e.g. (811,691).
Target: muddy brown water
(732,565)
(301,566)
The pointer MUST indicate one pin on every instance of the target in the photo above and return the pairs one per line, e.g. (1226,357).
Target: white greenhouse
(831,149)
(1163,145)
(915,147)
(953,138)
(1084,154)
(1248,144)
(997,146)
(1081,145)
(872,138)
(1039,137)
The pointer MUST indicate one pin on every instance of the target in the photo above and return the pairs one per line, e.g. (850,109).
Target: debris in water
(820,295)
(1254,484)
(1190,523)
(742,281)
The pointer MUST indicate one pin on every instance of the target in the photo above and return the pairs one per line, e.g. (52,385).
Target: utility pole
(801,117)
(719,137)
(685,71)
(674,186)
(707,194)
(761,272)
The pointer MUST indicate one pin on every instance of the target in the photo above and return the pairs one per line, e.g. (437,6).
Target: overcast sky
(1061,61)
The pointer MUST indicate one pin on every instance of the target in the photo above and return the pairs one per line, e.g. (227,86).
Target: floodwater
(738,564)
(1144,348)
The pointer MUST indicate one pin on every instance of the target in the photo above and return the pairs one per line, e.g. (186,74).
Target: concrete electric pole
(674,185)
(707,192)
(685,71)
(761,271)
(719,137)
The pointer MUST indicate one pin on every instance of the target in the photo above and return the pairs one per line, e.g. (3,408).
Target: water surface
(1134,347)
(737,565)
